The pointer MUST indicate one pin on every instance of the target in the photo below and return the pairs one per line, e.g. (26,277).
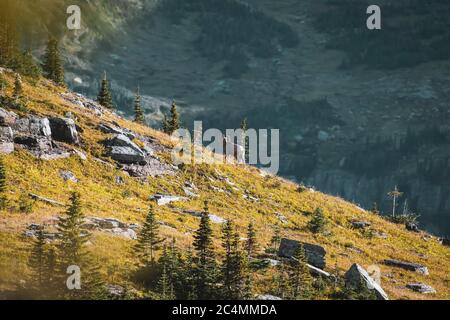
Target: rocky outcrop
(315,254)
(360,224)
(64,130)
(163,199)
(33,126)
(267,297)
(7,118)
(410,226)
(6,140)
(46,200)
(445,242)
(111,225)
(117,130)
(213,217)
(421,288)
(407,266)
(357,276)
(123,150)
(68,176)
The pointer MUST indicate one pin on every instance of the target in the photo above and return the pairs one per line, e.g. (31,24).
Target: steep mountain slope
(235,192)
(359,111)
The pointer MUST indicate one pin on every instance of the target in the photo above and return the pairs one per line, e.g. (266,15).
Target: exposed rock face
(421,287)
(125,154)
(412,227)
(113,129)
(213,217)
(446,242)
(314,253)
(6,140)
(33,126)
(64,130)
(7,118)
(357,276)
(122,149)
(68,176)
(111,225)
(407,266)
(115,291)
(35,143)
(267,297)
(360,224)
(163,199)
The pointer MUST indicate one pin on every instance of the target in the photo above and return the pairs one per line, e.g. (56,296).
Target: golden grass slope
(102,197)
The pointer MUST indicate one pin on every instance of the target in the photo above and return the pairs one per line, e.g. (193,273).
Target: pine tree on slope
(53,67)
(104,97)
(138,113)
(148,239)
(205,266)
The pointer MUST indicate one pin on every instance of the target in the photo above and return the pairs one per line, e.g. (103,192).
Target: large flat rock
(314,253)
(407,266)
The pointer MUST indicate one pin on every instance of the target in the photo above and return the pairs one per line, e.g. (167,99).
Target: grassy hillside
(128,202)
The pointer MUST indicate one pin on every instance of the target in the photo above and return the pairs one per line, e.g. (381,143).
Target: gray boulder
(125,155)
(64,130)
(6,134)
(162,199)
(314,253)
(6,147)
(122,149)
(34,126)
(7,117)
(410,226)
(360,224)
(421,287)
(68,176)
(6,140)
(37,143)
(357,276)
(40,126)
(407,266)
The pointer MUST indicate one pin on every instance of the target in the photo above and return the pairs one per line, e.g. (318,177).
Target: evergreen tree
(251,244)
(27,65)
(53,66)
(301,279)
(37,259)
(138,113)
(318,222)
(189,277)
(104,97)
(18,88)
(49,273)
(165,285)
(276,238)
(227,264)
(281,281)
(3,185)
(9,42)
(72,251)
(235,276)
(174,122)
(148,239)
(72,240)
(205,266)
(165,125)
